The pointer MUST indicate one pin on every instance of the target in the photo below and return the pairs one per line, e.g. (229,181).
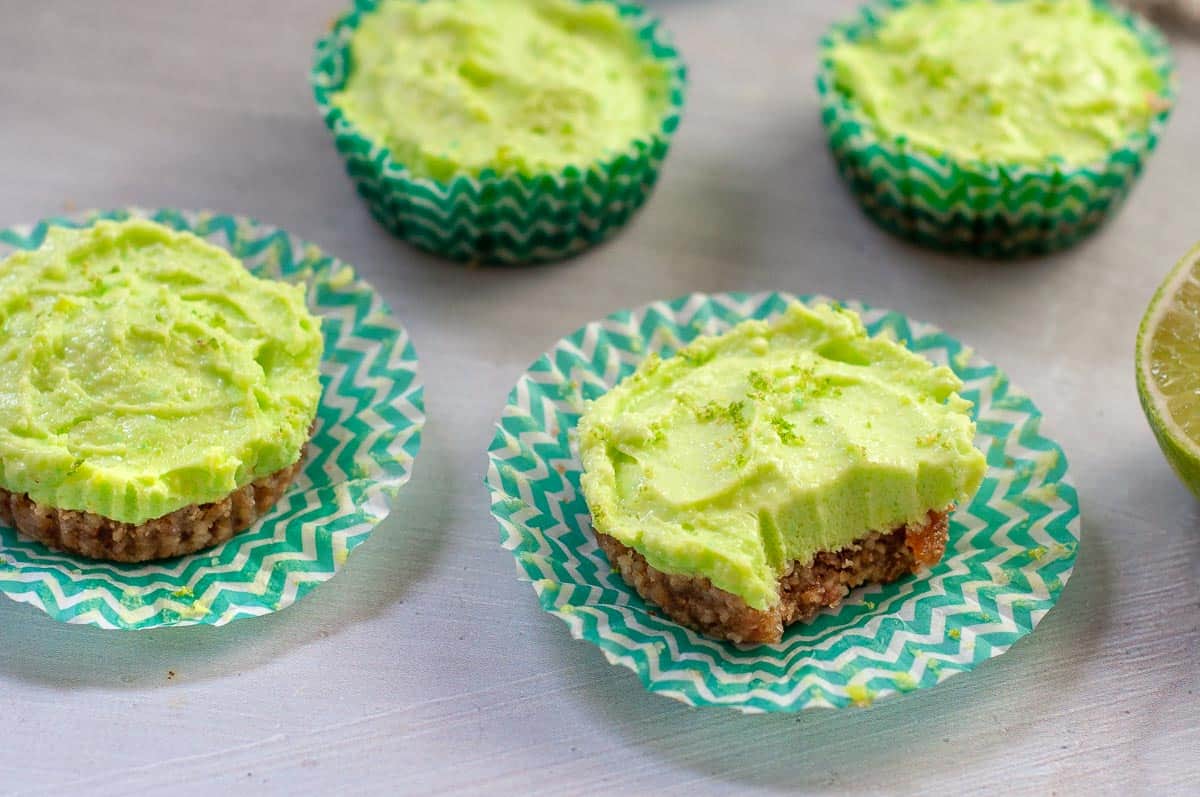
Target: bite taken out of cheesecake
(755,478)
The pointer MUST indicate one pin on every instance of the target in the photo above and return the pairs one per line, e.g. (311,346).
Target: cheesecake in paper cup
(496,205)
(1011,548)
(365,437)
(991,206)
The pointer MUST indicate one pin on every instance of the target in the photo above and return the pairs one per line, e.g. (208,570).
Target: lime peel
(1174,308)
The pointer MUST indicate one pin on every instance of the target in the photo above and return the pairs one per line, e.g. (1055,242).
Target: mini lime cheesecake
(501,131)
(1000,127)
(746,456)
(147,371)
(460,86)
(1007,82)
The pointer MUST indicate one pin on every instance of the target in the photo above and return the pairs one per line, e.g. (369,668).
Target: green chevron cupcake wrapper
(509,218)
(989,209)
(368,431)
(1011,549)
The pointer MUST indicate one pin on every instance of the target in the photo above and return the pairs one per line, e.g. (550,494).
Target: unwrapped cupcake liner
(1010,553)
(508,218)
(989,209)
(367,433)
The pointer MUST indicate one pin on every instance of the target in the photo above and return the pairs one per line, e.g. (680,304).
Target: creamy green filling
(460,86)
(146,370)
(1015,82)
(771,443)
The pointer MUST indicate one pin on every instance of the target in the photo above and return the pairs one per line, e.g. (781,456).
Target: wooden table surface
(426,666)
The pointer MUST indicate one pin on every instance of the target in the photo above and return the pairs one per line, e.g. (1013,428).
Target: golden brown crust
(183,531)
(878,557)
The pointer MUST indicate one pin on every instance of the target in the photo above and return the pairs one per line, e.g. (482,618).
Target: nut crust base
(877,557)
(183,531)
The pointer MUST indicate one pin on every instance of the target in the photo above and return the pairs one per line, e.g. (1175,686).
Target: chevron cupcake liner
(368,431)
(1011,549)
(988,209)
(506,219)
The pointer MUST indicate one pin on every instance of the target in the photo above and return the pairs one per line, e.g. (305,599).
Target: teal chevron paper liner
(508,219)
(988,209)
(367,435)
(1011,549)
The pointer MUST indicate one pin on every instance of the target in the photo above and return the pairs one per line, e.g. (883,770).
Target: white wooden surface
(426,666)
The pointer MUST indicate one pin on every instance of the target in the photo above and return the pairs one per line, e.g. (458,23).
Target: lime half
(1168,367)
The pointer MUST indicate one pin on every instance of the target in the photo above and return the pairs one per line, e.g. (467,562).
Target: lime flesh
(1168,367)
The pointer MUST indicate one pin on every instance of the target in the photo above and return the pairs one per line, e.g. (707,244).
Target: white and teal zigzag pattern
(984,208)
(1012,548)
(499,218)
(368,433)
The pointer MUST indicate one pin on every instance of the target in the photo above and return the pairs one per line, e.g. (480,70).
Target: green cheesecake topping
(1013,82)
(146,370)
(771,443)
(527,86)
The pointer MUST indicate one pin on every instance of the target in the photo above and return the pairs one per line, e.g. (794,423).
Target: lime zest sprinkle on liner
(862,696)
